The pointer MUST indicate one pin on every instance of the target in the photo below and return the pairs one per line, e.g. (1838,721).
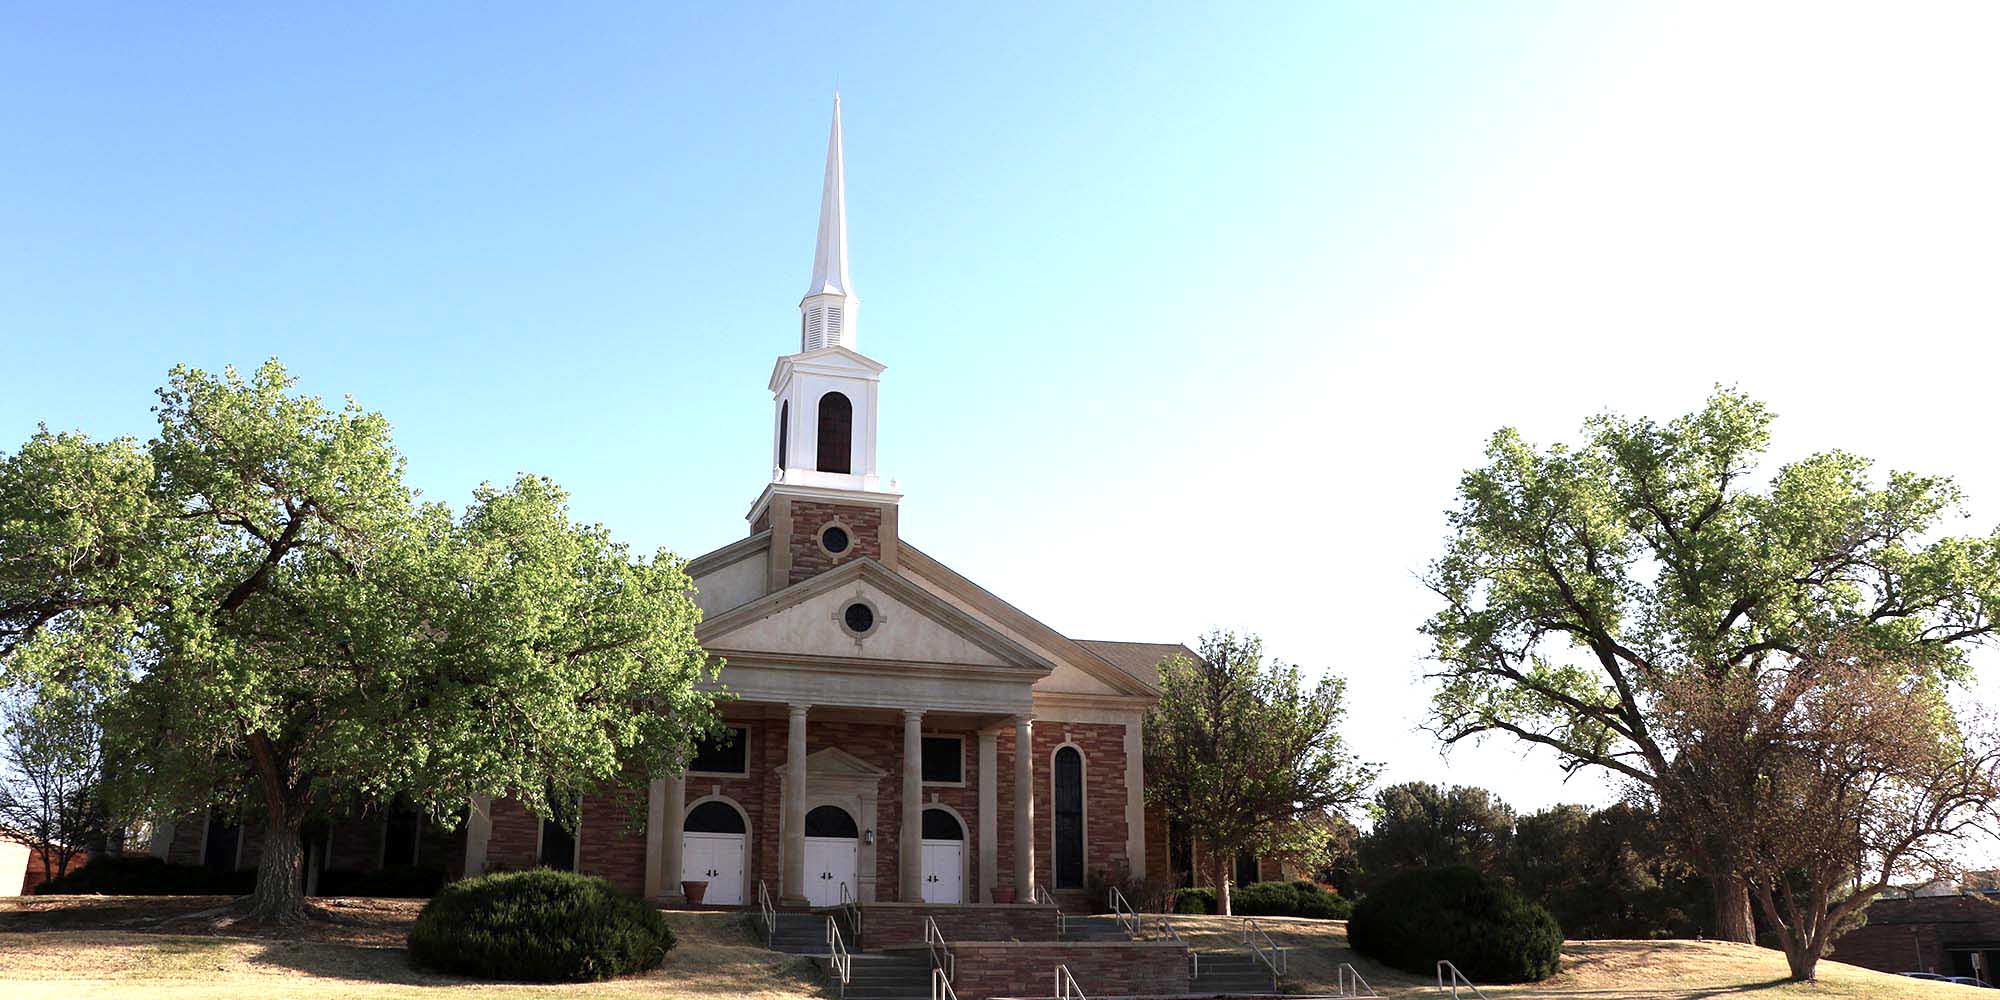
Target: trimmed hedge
(1274,899)
(393,882)
(1491,932)
(539,926)
(126,875)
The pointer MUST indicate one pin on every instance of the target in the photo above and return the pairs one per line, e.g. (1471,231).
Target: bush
(538,926)
(1270,899)
(125,875)
(1194,901)
(1289,899)
(1488,930)
(394,882)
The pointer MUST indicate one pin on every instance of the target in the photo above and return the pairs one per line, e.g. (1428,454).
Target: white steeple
(826,314)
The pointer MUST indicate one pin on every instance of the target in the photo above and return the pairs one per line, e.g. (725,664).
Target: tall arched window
(784,430)
(1069,818)
(836,433)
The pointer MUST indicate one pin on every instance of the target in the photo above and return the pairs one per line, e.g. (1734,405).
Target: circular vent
(834,539)
(858,618)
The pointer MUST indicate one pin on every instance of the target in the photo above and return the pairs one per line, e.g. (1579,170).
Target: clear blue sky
(1208,306)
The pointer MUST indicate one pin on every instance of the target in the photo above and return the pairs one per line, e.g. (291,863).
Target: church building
(899,733)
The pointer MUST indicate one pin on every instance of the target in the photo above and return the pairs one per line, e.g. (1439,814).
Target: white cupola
(824,397)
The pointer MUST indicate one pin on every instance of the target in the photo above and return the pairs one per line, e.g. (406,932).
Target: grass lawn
(128,947)
(716,956)
(1641,970)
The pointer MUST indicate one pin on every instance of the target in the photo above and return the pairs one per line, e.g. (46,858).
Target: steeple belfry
(827,313)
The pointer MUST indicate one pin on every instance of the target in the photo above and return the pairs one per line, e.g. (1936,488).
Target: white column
(792,889)
(656,828)
(1135,796)
(911,841)
(163,837)
(478,830)
(671,813)
(989,814)
(1024,809)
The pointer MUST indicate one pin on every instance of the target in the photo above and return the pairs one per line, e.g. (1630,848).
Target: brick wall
(1911,935)
(515,838)
(1103,748)
(864,528)
(890,924)
(1102,968)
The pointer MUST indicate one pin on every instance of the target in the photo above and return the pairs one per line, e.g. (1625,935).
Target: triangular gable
(833,762)
(834,359)
(1074,653)
(913,625)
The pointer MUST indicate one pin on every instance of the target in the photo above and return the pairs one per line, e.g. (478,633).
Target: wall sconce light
(868,837)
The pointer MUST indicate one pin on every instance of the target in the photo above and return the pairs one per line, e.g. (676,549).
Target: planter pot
(694,891)
(1003,894)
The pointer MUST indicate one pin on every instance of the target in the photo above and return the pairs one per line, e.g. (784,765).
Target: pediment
(833,360)
(834,762)
(804,623)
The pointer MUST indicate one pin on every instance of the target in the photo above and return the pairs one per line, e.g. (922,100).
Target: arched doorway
(833,852)
(713,845)
(944,857)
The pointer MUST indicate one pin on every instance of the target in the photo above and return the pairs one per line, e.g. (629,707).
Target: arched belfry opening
(836,433)
(784,431)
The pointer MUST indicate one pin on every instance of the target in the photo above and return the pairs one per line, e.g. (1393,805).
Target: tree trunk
(1732,910)
(1222,886)
(280,895)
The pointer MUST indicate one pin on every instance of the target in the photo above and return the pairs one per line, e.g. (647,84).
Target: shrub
(125,875)
(1289,899)
(1488,930)
(394,882)
(1272,899)
(1194,901)
(538,926)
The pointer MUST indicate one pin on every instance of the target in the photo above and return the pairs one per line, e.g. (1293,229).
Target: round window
(834,539)
(859,617)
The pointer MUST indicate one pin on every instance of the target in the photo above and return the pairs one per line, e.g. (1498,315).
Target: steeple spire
(827,311)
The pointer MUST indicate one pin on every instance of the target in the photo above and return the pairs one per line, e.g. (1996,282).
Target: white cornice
(878,498)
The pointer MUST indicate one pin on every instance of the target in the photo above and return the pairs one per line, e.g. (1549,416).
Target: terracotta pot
(694,891)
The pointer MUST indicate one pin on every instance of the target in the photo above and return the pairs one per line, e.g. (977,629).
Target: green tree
(51,772)
(1246,756)
(1421,825)
(1579,581)
(279,622)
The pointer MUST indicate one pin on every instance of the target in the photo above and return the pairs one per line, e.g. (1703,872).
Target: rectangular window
(944,759)
(219,851)
(727,754)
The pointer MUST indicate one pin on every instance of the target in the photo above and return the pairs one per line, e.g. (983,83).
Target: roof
(1140,659)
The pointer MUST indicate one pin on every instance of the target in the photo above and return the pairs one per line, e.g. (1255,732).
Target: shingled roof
(1140,659)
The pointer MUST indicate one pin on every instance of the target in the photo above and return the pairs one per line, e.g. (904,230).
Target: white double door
(831,864)
(715,858)
(944,871)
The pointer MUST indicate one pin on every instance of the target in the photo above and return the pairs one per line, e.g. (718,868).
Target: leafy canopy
(1245,755)
(271,611)
(1579,581)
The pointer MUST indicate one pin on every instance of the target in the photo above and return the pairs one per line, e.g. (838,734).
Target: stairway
(800,934)
(1232,972)
(1094,929)
(884,977)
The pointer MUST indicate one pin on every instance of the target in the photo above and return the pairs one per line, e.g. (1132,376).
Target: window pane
(944,758)
(1069,818)
(728,754)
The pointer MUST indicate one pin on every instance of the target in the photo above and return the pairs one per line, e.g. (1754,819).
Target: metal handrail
(852,907)
(1169,933)
(934,943)
(837,956)
(1040,894)
(1350,984)
(941,987)
(1126,916)
(1457,977)
(1066,987)
(767,912)
(1270,954)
